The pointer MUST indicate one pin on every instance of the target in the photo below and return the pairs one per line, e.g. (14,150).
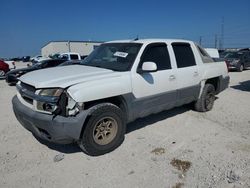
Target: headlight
(47,107)
(51,92)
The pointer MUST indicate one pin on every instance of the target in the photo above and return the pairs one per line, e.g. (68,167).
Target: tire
(2,73)
(240,68)
(104,131)
(206,101)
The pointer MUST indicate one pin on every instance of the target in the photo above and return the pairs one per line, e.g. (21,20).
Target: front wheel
(2,73)
(240,68)
(104,130)
(206,101)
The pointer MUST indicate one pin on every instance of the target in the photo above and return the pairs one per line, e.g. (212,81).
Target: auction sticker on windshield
(121,54)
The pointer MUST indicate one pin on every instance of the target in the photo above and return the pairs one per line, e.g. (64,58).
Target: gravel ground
(175,148)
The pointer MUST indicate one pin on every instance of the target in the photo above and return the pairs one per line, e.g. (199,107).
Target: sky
(27,25)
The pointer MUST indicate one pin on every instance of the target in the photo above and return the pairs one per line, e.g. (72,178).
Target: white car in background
(213,52)
(12,64)
(70,56)
(38,58)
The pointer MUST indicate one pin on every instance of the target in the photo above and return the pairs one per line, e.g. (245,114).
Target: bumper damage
(56,129)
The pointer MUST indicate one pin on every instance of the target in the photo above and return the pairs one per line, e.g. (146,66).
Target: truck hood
(65,76)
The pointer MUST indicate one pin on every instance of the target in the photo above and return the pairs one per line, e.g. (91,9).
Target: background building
(81,47)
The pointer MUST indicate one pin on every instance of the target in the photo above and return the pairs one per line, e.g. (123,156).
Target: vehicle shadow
(63,148)
(151,119)
(243,86)
(135,125)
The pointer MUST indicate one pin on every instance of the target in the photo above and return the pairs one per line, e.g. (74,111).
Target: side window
(248,56)
(183,54)
(65,56)
(95,46)
(73,56)
(157,53)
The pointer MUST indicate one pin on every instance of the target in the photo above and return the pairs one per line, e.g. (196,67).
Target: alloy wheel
(105,130)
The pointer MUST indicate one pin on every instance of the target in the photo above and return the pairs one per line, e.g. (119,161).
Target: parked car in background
(38,58)
(12,77)
(26,58)
(83,57)
(4,68)
(73,62)
(223,54)
(16,59)
(70,56)
(238,60)
(11,63)
(35,58)
(54,56)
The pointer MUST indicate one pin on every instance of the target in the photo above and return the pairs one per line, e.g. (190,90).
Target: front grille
(26,94)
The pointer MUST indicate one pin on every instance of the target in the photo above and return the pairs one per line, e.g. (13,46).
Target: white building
(82,47)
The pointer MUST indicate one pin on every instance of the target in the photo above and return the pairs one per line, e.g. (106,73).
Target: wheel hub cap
(105,130)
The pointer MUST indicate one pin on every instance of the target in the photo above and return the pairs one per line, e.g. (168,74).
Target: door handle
(196,73)
(172,77)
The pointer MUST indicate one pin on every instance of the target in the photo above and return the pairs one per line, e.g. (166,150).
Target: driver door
(154,91)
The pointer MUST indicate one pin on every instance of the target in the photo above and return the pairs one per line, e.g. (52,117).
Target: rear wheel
(104,130)
(206,101)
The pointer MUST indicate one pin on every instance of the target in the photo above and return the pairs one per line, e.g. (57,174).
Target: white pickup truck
(70,56)
(117,83)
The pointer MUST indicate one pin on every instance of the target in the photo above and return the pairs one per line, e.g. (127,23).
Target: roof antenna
(137,38)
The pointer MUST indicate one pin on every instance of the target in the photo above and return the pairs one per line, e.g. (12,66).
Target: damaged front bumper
(57,129)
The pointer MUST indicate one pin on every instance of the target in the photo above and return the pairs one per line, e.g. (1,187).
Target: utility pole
(215,41)
(222,34)
(200,41)
(69,46)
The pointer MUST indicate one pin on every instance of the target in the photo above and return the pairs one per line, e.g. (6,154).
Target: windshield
(114,56)
(233,55)
(40,64)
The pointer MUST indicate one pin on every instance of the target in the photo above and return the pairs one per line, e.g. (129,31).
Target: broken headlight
(45,106)
(51,92)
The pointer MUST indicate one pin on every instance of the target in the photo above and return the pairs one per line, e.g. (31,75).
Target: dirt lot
(176,148)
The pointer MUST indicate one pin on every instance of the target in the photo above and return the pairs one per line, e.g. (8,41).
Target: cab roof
(147,41)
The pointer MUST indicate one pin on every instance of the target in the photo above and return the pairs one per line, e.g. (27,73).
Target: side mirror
(149,67)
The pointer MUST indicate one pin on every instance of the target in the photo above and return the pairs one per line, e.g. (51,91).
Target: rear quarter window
(204,55)
(184,55)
